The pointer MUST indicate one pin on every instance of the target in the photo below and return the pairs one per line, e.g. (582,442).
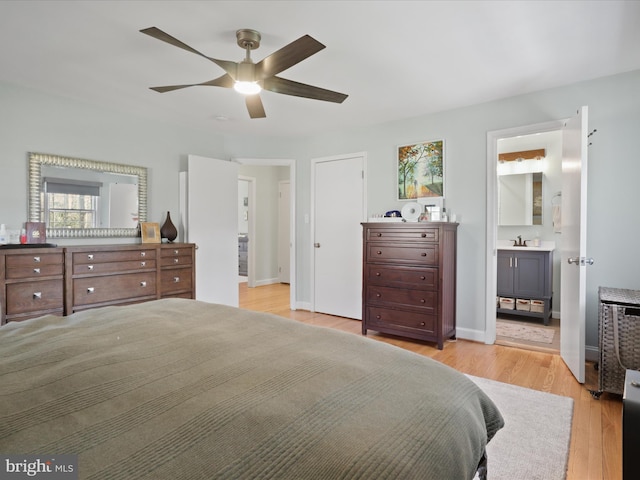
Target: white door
(284,232)
(574,243)
(338,206)
(212,224)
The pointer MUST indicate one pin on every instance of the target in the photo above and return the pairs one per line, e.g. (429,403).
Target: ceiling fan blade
(288,56)
(255,107)
(227,66)
(224,81)
(289,87)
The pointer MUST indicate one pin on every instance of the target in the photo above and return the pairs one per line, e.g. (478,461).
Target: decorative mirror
(520,187)
(79,198)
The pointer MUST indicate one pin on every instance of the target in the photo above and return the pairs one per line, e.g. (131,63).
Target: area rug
(534,443)
(524,332)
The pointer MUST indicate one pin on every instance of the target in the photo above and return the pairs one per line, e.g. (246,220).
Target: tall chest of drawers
(32,281)
(409,280)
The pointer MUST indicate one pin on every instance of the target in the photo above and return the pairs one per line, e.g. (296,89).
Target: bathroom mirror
(520,199)
(80,198)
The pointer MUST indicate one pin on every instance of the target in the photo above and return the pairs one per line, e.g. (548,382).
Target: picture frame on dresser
(150,232)
(421,170)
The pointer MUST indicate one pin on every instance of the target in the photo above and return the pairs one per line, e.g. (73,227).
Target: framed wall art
(421,170)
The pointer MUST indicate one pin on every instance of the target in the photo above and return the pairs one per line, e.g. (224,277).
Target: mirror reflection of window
(70,203)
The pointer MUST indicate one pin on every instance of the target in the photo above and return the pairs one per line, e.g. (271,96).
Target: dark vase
(168,229)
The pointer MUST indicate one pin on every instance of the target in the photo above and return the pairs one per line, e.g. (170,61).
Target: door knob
(574,260)
(316,245)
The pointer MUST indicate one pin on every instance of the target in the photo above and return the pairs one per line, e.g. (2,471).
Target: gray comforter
(180,389)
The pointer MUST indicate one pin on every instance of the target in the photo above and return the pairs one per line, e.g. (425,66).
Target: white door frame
(251,252)
(314,161)
(492,215)
(274,162)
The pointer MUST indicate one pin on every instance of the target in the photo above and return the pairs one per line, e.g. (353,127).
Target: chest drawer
(175,280)
(35,260)
(402,234)
(402,277)
(113,287)
(35,271)
(403,253)
(417,299)
(113,256)
(34,296)
(400,320)
(176,260)
(112,267)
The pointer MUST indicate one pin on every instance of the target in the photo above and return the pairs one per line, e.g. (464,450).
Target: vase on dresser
(168,229)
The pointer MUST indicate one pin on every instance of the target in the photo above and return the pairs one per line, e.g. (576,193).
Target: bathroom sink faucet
(519,242)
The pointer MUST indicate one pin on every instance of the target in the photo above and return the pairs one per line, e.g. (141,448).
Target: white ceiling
(395,59)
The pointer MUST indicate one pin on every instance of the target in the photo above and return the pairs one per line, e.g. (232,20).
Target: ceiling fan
(250,78)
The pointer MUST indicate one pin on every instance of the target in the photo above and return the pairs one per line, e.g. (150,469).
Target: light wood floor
(596,437)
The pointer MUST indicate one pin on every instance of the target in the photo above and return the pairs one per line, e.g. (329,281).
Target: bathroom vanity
(525,274)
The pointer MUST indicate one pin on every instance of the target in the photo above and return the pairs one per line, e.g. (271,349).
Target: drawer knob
(378,295)
(89,267)
(176,260)
(377,274)
(422,324)
(422,277)
(423,254)
(143,284)
(422,300)
(379,252)
(423,235)
(36,259)
(143,264)
(143,254)
(37,295)
(175,252)
(176,279)
(36,270)
(379,235)
(91,289)
(90,256)
(378,317)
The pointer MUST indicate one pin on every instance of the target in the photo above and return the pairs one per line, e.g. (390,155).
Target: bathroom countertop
(545,246)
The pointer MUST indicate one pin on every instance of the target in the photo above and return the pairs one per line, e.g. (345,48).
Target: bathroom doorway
(523,330)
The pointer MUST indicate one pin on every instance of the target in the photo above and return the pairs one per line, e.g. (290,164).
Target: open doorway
(259,236)
(523,299)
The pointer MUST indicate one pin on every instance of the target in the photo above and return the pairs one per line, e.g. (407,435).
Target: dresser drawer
(113,287)
(175,251)
(113,256)
(34,296)
(113,267)
(408,254)
(35,271)
(176,260)
(400,320)
(417,299)
(402,234)
(33,260)
(175,280)
(402,277)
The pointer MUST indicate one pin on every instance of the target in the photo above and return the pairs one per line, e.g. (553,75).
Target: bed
(182,389)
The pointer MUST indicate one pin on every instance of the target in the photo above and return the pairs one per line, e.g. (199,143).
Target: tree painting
(421,170)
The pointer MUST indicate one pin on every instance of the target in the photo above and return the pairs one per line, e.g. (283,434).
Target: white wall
(32,121)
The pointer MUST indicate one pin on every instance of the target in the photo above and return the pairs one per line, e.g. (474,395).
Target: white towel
(557,219)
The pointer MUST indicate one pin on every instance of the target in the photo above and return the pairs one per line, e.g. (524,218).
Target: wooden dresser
(409,280)
(64,280)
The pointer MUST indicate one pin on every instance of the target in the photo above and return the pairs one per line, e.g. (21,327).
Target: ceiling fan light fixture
(247,88)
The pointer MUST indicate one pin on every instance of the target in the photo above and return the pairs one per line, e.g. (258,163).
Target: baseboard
(303,306)
(470,334)
(268,281)
(591,354)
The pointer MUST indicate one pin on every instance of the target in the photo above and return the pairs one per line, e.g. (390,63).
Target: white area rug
(524,332)
(534,443)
